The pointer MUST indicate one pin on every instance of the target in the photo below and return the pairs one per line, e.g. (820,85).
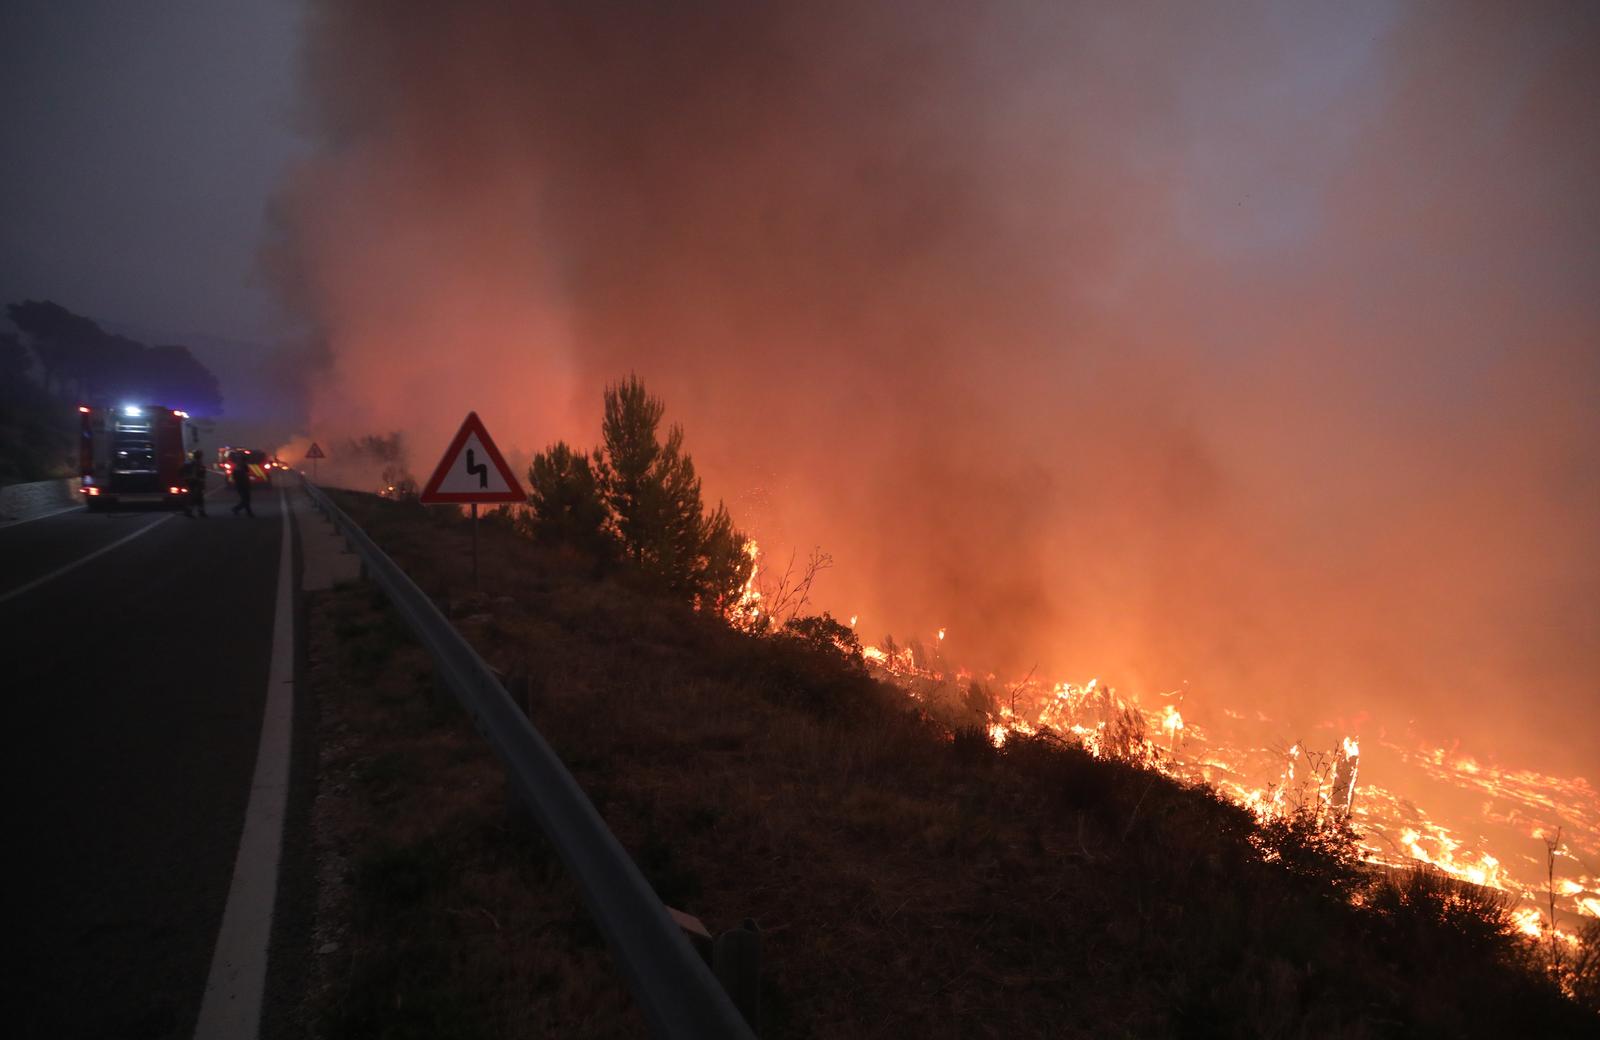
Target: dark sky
(141,144)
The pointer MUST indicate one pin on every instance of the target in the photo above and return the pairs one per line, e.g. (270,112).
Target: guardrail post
(736,961)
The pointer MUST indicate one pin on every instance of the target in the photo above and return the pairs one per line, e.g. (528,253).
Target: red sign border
(431,495)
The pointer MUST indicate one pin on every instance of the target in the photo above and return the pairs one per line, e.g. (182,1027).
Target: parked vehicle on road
(260,463)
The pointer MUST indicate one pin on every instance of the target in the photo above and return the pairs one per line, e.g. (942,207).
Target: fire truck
(133,453)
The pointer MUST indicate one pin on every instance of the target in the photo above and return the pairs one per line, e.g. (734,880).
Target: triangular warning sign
(472,470)
(315,451)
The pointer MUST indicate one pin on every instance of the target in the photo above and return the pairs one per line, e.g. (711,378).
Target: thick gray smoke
(1247,345)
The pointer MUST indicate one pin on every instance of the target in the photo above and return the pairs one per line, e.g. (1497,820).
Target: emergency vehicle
(260,463)
(133,453)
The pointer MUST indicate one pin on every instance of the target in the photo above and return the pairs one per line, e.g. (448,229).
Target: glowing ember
(746,612)
(1528,921)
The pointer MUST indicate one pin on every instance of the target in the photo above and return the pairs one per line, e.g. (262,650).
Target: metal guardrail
(678,993)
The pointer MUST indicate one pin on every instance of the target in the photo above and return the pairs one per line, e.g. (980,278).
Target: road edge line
(231,1008)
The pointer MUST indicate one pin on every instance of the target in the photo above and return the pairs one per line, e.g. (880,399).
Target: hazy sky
(1250,344)
(141,143)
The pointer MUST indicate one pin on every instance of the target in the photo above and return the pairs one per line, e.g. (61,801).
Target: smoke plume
(1249,346)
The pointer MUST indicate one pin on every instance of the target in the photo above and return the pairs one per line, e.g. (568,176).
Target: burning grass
(1486,806)
(908,880)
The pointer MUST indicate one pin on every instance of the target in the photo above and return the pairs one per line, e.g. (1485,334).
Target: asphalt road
(134,686)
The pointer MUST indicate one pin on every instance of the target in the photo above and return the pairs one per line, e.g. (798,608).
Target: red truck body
(133,453)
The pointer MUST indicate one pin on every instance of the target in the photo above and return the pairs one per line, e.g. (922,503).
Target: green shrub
(565,500)
(640,496)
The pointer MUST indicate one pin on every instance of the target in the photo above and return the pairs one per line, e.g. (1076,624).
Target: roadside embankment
(39,498)
(907,878)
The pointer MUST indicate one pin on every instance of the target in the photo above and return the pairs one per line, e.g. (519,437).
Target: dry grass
(907,883)
(438,915)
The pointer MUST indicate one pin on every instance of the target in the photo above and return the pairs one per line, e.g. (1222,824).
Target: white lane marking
(231,1008)
(41,516)
(80,561)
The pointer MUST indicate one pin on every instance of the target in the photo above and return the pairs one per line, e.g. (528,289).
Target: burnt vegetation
(910,878)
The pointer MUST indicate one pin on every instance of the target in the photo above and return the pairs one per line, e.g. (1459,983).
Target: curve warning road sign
(472,470)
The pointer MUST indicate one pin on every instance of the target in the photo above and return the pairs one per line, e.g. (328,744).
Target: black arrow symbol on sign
(482,470)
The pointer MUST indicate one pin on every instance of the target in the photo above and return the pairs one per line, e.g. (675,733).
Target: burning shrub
(1583,978)
(397,483)
(385,453)
(828,636)
(1124,738)
(815,664)
(1427,908)
(1319,850)
(1468,972)
(1072,779)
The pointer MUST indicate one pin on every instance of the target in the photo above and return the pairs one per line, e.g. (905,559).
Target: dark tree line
(35,429)
(636,498)
(80,360)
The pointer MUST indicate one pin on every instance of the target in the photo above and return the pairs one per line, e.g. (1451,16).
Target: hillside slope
(908,881)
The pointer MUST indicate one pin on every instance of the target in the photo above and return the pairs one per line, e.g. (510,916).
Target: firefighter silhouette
(194,475)
(241,483)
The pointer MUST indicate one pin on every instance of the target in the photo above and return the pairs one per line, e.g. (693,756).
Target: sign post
(472,471)
(314,453)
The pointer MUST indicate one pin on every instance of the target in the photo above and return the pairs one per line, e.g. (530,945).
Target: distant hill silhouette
(77,358)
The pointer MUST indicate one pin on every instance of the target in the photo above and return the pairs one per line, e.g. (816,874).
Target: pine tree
(725,565)
(627,465)
(655,511)
(566,503)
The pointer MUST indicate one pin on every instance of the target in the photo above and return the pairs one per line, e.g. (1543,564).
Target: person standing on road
(194,472)
(241,483)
